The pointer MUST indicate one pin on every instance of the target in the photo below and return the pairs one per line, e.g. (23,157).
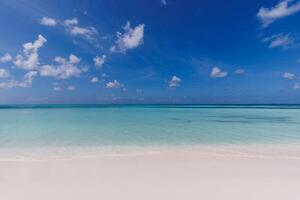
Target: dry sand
(170,175)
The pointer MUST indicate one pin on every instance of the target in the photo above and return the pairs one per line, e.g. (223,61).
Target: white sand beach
(169,175)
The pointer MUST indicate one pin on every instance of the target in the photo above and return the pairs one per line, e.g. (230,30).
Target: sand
(169,175)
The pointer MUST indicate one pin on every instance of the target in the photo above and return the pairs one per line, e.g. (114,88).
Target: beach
(167,175)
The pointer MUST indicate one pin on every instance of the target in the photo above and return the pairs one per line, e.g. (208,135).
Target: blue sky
(159,51)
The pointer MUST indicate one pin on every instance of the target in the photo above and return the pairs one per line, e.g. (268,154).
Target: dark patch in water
(181,120)
(250,119)
(232,121)
(175,119)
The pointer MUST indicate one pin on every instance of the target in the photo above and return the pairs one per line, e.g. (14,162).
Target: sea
(38,131)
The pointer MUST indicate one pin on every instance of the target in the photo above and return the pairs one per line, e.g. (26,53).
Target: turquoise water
(147,125)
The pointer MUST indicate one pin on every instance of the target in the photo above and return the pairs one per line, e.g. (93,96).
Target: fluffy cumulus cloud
(288,75)
(99,61)
(131,38)
(63,68)
(47,21)
(4,73)
(113,84)
(283,9)
(216,72)
(25,82)
(74,29)
(29,58)
(239,71)
(174,82)
(280,40)
(6,58)
(94,80)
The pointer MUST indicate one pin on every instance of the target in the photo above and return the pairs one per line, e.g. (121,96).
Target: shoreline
(279,151)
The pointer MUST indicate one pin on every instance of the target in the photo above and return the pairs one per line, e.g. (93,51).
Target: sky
(158,51)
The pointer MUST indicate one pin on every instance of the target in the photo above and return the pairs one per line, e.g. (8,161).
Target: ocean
(33,128)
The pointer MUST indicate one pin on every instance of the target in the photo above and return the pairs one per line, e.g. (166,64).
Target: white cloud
(99,61)
(49,70)
(29,59)
(113,84)
(86,32)
(281,10)
(280,40)
(71,88)
(296,86)
(47,21)
(28,78)
(131,38)
(4,73)
(33,47)
(174,82)
(217,73)
(71,22)
(9,84)
(72,27)
(240,71)
(6,58)
(26,82)
(73,59)
(63,68)
(288,75)
(94,80)
(57,89)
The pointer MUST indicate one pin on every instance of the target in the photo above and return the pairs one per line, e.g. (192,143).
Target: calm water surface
(151,125)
